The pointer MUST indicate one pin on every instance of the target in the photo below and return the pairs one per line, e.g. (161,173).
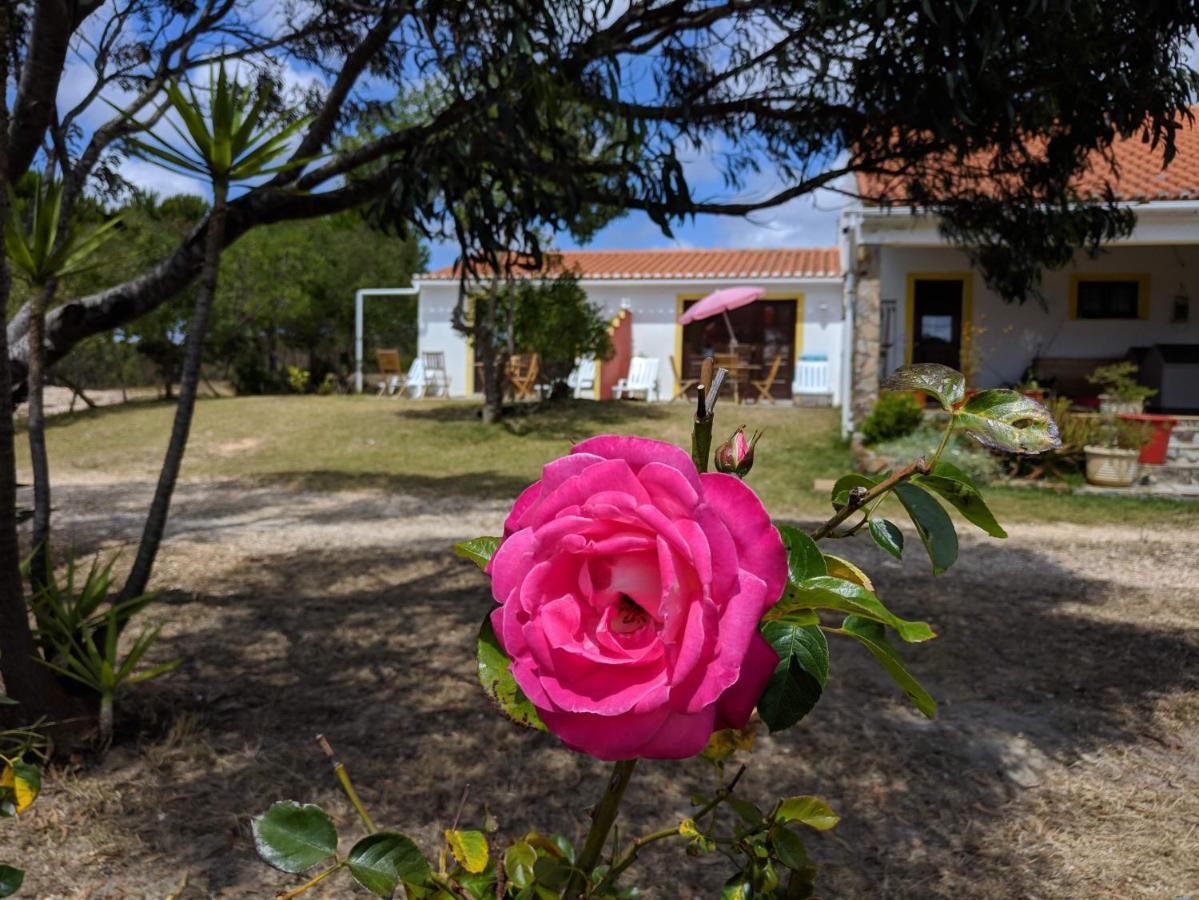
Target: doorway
(936,308)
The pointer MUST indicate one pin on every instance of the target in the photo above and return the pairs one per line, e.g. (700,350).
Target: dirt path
(1064,761)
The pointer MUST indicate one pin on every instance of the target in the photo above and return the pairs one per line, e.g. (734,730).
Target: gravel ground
(1064,761)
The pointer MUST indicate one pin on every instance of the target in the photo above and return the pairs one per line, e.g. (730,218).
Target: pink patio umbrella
(719,303)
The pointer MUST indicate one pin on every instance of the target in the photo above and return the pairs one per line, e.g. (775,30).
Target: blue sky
(806,221)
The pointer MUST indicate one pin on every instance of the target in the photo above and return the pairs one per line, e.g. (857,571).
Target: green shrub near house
(894,416)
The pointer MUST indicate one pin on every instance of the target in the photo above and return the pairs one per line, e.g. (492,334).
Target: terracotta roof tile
(791,262)
(1141,175)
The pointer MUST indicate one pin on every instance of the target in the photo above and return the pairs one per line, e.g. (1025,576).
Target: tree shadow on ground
(373,647)
(568,419)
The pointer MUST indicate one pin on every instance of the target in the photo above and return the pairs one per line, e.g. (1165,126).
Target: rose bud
(736,455)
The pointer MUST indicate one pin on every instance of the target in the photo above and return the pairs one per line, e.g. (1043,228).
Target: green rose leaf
(21,783)
(7,701)
(946,384)
(10,880)
(478,550)
(739,887)
(845,484)
(1008,420)
(746,810)
(790,851)
(294,837)
(496,677)
(932,524)
(872,636)
(845,596)
(804,558)
(380,862)
(469,848)
(799,678)
(955,486)
(888,536)
(519,860)
(810,811)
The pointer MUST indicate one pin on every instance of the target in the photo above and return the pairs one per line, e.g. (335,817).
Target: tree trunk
(33,686)
(193,353)
(494,361)
(39,566)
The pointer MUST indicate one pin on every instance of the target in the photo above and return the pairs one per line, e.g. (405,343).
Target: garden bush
(980,464)
(894,416)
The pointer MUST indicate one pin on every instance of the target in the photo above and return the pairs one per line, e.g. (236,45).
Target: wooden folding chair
(682,386)
(765,384)
(391,375)
(523,370)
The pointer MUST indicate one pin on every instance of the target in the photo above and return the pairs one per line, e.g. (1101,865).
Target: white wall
(654,307)
(1007,336)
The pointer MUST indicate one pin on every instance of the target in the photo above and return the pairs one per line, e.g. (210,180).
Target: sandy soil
(1064,762)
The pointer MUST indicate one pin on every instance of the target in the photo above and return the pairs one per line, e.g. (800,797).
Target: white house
(912,298)
(644,292)
(894,292)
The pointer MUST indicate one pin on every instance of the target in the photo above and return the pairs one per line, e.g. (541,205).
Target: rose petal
(759,548)
(640,452)
(735,705)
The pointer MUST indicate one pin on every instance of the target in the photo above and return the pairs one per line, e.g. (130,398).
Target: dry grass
(1063,763)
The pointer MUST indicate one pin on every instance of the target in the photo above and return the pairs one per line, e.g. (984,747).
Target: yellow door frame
(796,296)
(909,327)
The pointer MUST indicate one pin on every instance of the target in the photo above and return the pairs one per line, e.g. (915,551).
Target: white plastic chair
(642,379)
(435,374)
(582,379)
(415,384)
(811,374)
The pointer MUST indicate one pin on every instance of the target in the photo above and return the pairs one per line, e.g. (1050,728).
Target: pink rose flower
(630,590)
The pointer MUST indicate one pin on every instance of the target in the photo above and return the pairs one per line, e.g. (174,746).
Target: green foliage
(888,536)
(799,678)
(231,136)
(932,524)
(1119,381)
(941,382)
(79,629)
(553,318)
(1009,421)
(294,837)
(894,416)
(20,784)
(381,862)
(478,550)
(497,681)
(981,465)
(39,248)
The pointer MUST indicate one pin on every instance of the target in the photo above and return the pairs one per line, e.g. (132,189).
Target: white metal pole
(358,342)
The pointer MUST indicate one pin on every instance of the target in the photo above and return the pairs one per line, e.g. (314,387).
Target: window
(1109,298)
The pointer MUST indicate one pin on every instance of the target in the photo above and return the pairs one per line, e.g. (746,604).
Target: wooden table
(738,373)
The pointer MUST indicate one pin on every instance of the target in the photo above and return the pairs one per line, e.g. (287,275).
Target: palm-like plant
(44,252)
(230,138)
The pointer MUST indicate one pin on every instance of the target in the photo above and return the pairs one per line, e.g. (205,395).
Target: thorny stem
(857,501)
(601,824)
(630,856)
(343,778)
(310,883)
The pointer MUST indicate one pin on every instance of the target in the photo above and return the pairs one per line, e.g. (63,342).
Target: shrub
(894,416)
(980,464)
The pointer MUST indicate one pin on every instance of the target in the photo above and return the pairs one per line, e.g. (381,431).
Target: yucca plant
(230,138)
(43,251)
(79,630)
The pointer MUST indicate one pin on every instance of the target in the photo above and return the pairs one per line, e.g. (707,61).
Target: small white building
(644,292)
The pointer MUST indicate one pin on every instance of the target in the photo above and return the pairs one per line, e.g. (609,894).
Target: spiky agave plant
(233,137)
(44,251)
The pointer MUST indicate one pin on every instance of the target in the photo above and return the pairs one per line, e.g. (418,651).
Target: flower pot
(1109,404)
(1154,452)
(1111,466)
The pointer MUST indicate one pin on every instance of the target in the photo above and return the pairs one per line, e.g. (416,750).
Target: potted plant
(1030,387)
(1121,392)
(1113,450)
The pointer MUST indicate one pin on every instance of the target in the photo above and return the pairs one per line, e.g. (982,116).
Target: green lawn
(347,442)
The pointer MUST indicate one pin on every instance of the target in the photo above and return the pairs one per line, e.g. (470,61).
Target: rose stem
(858,501)
(701,432)
(601,824)
(343,777)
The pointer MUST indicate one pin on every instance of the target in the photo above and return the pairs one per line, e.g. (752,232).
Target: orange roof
(791,262)
(1139,177)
